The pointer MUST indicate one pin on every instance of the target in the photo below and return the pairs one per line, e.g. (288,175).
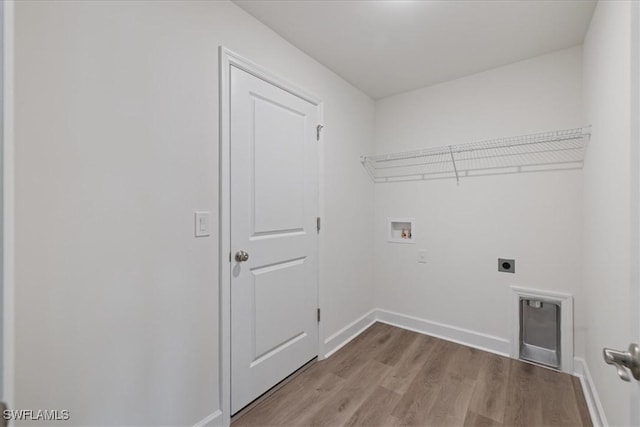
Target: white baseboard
(466,337)
(581,370)
(341,338)
(462,336)
(211,420)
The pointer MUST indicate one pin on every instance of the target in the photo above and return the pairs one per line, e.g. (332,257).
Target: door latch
(624,360)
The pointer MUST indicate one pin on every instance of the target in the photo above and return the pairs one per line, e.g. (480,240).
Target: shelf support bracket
(455,169)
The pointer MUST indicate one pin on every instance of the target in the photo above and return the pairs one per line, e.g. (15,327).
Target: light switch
(422,256)
(203,220)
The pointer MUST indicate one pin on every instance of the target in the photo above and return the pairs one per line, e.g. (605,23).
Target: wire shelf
(557,150)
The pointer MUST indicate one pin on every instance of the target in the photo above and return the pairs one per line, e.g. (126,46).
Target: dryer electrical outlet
(507,265)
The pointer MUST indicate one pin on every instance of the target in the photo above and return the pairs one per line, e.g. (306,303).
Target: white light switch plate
(422,256)
(203,223)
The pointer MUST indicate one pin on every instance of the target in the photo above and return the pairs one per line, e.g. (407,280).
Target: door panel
(274,204)
(278,186)
(277,293)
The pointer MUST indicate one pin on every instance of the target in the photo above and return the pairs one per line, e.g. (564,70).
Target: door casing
(226,59)
(634,300)
(7,281)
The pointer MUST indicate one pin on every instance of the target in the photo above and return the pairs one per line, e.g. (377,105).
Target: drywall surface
(607,201)
(117,146)
(535,218)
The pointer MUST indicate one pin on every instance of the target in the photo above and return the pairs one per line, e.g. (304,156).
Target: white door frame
(227,59)
(634,300)
(8,182)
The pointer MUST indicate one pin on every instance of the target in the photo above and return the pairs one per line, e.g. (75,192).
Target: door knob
(242,256)
(624,360)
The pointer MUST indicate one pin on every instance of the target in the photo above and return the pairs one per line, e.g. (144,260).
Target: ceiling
(385,47)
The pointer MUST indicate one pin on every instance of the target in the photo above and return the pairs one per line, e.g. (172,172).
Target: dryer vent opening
(540,332)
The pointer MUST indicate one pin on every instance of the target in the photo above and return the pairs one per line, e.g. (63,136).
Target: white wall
(117,136)
(607,203)
(535,218)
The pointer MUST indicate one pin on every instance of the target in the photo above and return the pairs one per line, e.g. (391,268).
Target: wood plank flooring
(388,376)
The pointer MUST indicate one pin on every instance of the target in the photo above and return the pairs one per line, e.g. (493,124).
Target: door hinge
(318,224)
(318,315)
(318,129)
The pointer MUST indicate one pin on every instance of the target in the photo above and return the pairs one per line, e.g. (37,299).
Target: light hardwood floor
(392,377)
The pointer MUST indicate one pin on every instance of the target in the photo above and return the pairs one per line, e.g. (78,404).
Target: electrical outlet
(422,256)
(507,265)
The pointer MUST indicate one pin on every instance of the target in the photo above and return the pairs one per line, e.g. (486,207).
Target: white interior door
(274,205)
(627,361)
